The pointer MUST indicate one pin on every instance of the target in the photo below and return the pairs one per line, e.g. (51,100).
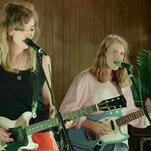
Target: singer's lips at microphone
(27,38)
(30,43)
(124,64)
(116,62)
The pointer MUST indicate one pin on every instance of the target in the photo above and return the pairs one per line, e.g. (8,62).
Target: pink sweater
(86,90)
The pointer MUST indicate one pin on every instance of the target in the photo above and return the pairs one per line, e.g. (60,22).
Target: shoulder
(80,82)
(46,60)
(85,75)
(46,63)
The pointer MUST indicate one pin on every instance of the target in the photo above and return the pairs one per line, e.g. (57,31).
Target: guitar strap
(35,91)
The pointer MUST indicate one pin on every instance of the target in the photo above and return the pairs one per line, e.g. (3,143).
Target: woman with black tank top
(18,70)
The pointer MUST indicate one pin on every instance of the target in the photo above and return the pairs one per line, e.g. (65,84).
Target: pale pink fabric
(86,90)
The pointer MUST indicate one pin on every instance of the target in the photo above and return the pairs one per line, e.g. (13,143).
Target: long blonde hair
(14,16)
(120,77)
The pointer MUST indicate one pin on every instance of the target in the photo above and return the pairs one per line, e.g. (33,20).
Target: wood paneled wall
(72,30)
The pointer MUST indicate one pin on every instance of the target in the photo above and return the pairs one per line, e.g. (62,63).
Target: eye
(114,52)
(32,29)
(122,53)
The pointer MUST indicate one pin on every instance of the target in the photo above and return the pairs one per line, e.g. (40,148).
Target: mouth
(116,62)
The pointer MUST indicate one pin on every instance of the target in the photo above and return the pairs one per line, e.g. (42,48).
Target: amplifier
(145,144)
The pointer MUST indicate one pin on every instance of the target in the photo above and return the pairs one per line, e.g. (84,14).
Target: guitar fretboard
(78,113)
(104,105)
(43,125)
(132,116)
(40,126)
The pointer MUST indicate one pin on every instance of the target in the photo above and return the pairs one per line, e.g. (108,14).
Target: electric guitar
(21,130)
(86,139)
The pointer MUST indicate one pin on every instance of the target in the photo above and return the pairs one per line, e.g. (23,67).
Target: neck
(109,72)
(17,53)
(18,60)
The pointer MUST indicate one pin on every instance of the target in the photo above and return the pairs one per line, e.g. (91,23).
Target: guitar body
(21,130)
(22,141)
(79,139)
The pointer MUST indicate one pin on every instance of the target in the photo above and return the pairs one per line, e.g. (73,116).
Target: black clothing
(16,95)
(149,96)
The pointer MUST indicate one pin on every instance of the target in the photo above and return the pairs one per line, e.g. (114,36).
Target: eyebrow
(31,26)
(115,49)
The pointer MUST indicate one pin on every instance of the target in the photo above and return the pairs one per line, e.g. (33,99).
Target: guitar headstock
(112,103)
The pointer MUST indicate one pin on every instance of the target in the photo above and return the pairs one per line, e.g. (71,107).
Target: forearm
(88,123)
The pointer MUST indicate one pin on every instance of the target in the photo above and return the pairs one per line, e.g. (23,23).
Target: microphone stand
(139,93)
(61,122)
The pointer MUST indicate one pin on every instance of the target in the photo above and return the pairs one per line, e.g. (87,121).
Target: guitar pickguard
(20,138)
(108,119)
(16,127)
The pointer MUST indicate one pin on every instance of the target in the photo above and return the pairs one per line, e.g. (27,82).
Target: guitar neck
(46,124)
(108,104)
(40,126)
(103,105)
(132,116)
(79,113)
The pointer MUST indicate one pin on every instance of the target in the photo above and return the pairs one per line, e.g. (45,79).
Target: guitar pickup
(112,125)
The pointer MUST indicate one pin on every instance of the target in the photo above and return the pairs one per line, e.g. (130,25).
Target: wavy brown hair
(120,77)
(15,16)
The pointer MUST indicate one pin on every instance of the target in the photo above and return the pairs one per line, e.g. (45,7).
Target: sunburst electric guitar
(21,131)
(86,139)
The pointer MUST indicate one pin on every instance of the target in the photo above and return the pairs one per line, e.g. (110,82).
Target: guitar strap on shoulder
(35,92)
(34,102)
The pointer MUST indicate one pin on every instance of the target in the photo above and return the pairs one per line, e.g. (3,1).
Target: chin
(25,47)
(115,69)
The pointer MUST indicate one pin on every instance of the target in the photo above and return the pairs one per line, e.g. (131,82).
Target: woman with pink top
(105,81)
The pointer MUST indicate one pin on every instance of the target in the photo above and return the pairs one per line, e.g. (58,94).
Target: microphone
(123,64)
(30,43)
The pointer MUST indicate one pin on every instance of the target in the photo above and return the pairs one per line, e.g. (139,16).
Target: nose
(118,56)
(28,34)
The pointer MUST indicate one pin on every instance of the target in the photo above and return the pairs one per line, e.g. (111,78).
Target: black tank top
(16,95)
